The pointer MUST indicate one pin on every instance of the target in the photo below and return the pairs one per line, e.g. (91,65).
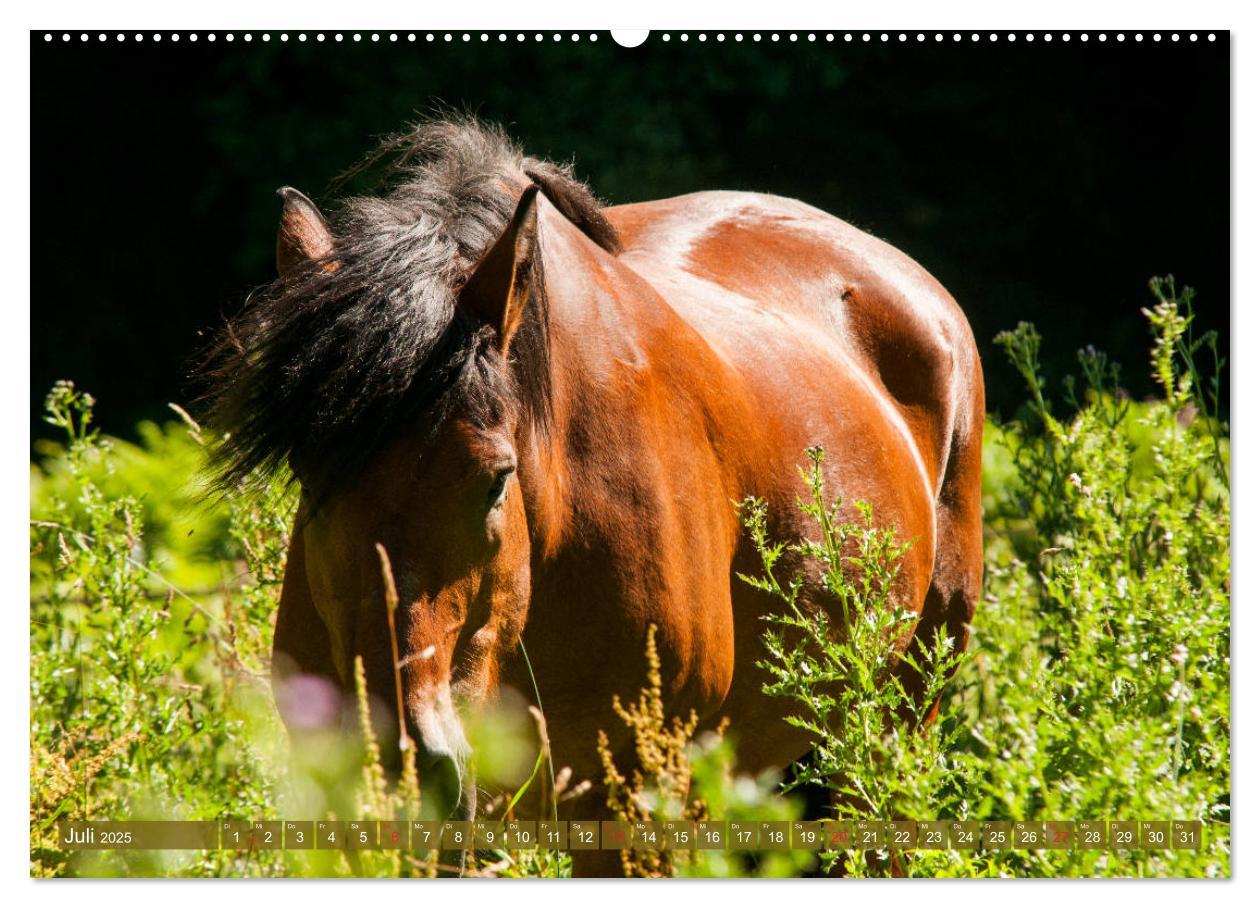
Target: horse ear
(498,290)
(304,236)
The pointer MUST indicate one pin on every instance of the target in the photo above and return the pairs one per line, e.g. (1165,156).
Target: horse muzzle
(442,763)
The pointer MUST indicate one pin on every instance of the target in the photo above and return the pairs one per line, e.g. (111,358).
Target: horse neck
(602,317)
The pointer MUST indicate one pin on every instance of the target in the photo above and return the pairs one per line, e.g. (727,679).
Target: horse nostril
(441,782)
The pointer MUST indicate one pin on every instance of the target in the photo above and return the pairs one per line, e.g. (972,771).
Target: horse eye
(495,495)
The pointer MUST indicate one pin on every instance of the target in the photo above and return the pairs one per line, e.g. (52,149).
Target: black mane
(322,369)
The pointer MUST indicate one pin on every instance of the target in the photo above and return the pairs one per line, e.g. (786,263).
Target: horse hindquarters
(959,561)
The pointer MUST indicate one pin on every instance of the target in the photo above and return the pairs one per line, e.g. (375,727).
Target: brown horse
(544,410)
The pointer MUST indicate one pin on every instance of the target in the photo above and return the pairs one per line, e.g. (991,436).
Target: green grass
(1096,685)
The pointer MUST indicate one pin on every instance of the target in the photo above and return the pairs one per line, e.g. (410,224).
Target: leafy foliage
(838,677)
(142,702)
(1100,685)
(1096,685)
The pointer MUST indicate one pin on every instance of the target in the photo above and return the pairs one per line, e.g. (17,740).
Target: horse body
(545,413)
(734,331)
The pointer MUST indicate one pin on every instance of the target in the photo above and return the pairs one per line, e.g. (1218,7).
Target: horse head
(399,366)
(445,503)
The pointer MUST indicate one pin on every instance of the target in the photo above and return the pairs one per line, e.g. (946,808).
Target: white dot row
(885,37)
(302,36)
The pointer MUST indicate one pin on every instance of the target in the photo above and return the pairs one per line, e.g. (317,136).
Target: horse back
(763,277)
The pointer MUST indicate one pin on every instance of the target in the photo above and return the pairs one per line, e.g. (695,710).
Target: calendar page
(674,453)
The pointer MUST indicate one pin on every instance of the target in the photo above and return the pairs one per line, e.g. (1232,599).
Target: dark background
(1043,181)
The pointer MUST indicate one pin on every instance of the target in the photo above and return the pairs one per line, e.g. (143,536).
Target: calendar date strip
(578,835)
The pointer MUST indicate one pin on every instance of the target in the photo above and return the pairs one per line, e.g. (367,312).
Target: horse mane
(323,368)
